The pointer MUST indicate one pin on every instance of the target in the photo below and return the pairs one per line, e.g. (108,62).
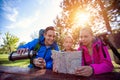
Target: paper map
(66,62)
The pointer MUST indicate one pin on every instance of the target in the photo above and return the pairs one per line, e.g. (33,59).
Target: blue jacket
(42,51)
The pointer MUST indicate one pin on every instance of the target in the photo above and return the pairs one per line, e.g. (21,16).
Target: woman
(96,59)
(68,43)
(67,47)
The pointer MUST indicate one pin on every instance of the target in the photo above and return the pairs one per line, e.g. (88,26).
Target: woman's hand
(39,62)
(54,67)
(84,71)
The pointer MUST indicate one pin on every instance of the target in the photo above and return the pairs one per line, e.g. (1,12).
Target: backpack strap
(83,55)
(36,48)
(102,47)
(103,50)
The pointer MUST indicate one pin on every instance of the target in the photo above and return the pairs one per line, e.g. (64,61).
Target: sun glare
(82,18)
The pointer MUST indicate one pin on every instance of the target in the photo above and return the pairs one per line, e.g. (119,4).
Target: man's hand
(22,50)
(39,62)
(84,71)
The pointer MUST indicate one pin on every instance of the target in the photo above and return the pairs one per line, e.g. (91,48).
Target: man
(47,43)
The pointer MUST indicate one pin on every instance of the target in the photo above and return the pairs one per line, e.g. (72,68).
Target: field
(5,62)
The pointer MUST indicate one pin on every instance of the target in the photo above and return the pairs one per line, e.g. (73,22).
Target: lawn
(5,62)
(24,63)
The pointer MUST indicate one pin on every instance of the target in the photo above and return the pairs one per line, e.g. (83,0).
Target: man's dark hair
(49,28)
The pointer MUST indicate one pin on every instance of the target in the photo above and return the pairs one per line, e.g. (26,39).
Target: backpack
(98,45)
(41,37)
(37,46)
(102,46)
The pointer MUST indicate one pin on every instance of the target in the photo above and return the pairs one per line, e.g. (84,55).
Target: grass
(24,63)
(5,62)
(116,66)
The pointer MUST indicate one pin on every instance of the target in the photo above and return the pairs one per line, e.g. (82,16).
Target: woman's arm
(105,64)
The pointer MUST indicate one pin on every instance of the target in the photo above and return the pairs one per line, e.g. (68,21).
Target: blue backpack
(41,37)
(36,48)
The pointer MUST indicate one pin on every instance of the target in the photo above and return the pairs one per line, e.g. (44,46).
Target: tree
(116,38)
(21,43)
(113,10)
(35,34)
(9,43)
(79,13)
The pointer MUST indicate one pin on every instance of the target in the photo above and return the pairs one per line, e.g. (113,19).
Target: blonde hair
(68,36)
(87,29)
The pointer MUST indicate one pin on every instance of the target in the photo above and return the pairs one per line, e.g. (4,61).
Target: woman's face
(68,42)
(86,37)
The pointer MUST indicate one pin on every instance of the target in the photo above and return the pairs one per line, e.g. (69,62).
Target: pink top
(99,61)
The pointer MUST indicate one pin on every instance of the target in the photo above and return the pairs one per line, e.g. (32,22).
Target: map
(66,62)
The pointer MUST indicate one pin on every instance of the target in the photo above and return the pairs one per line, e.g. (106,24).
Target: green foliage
(116,37)
(22,43)
(35,34)
(67,21)
(9,43)
(5,62)
(113,9)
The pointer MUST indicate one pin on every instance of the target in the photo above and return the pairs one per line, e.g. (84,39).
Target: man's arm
(28,46)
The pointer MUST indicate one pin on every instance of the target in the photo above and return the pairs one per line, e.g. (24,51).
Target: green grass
(24,63)
(116,66)
(5,62)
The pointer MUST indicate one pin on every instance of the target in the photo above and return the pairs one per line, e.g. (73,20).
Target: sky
(24,17)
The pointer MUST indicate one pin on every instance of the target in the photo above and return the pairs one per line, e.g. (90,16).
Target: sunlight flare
(82,18)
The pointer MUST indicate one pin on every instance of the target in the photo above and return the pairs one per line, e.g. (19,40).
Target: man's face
(49,37)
